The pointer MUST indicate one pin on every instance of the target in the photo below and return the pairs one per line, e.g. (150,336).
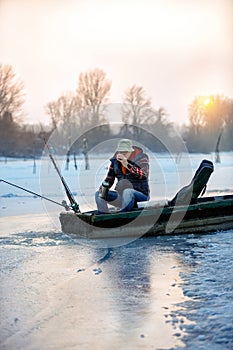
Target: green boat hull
(208,215)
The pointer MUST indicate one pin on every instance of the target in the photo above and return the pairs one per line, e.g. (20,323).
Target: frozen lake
(154,293)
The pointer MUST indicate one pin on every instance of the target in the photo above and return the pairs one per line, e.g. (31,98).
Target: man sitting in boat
(130,166)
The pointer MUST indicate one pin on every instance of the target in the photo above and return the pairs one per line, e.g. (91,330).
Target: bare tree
(136,106)
(211,121)
(217,113)
(161,115)
(137,109)
(51,110)
(197,114)
(11,92)
(93,90)
(64,110)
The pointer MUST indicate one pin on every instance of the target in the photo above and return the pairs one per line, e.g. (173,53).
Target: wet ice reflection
(68,296)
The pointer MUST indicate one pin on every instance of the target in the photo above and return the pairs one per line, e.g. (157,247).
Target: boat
(208,214)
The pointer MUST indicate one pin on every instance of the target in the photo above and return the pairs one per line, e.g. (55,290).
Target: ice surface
(59,293)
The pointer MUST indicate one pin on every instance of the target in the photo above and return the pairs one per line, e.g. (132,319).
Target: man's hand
(122,159)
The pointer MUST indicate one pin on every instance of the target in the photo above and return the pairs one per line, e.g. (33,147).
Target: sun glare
(207,101)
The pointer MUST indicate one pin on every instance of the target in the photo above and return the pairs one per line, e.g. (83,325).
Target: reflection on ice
(73,295)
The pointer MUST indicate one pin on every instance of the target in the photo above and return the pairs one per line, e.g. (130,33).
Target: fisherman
(130,166)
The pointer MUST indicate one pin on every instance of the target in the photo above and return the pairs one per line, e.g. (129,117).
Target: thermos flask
(104,187)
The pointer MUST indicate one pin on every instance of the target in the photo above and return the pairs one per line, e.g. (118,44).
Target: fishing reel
(65,205)
(73,206)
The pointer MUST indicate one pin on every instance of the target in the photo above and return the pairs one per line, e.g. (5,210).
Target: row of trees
(85,113)
(82,112)
(16,138)
(11,108)
(210,124)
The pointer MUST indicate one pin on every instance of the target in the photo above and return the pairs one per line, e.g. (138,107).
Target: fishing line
(63,204)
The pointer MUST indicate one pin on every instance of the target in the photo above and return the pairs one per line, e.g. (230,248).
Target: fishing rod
(74,205)
(63,204)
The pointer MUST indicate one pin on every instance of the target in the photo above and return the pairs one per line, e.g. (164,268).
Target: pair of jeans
(126,201)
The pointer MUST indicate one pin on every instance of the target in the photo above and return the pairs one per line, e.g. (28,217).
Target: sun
(207,101)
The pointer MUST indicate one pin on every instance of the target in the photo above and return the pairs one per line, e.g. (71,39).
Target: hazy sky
(175,49)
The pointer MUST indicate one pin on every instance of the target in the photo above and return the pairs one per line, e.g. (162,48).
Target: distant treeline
(18,141)
(84,114)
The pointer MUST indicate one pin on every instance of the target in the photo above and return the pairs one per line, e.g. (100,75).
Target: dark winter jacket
(137,175)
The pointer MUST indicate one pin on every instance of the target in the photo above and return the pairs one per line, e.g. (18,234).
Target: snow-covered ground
(152,293)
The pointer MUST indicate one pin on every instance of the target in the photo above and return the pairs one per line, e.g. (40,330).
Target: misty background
(169,62)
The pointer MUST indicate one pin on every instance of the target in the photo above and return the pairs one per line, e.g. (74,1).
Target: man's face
(126,154)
